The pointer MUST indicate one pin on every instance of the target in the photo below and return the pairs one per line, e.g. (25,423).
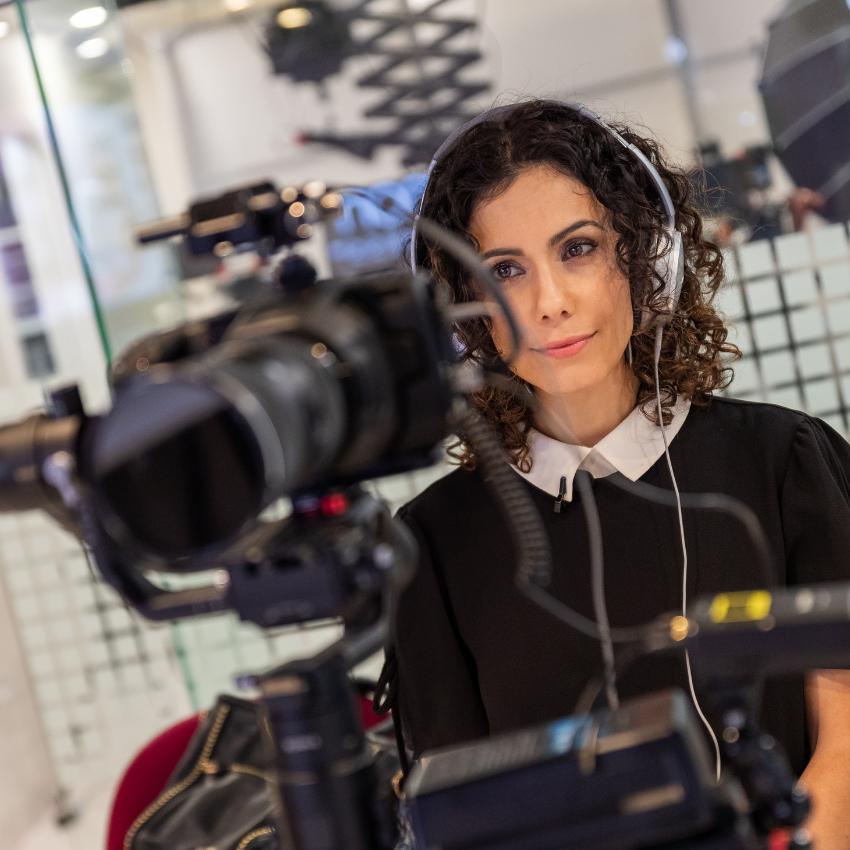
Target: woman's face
(549,243)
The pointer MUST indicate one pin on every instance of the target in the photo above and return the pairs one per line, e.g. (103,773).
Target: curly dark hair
(486,159)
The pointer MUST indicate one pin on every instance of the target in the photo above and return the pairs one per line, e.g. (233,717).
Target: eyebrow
(553,241)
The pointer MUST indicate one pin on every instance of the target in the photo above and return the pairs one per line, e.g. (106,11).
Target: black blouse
(475,657)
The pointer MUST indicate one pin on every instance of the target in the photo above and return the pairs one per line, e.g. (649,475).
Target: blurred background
(116,113)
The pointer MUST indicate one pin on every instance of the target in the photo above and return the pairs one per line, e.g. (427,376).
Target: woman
(572,225)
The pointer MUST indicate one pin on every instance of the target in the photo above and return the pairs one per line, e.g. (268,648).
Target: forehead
(537,204)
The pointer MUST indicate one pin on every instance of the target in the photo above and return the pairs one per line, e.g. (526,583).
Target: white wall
(210,124)
(599,53)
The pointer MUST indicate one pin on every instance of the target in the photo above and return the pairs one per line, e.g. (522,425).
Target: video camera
(304,395)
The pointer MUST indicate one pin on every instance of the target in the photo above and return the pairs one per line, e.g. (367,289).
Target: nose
(553,297)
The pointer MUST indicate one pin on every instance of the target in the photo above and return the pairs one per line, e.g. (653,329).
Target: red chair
(147,774)
(146,777)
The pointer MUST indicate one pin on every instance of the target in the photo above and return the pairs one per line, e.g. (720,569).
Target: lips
(568,346)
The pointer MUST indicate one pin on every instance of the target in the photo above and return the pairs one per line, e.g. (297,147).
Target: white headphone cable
(658,337)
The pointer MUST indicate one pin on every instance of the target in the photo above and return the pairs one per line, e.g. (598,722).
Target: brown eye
(504,271)
(578,249)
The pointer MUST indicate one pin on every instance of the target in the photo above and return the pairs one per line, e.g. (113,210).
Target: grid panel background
(107,681)
(104,681)
(788,300)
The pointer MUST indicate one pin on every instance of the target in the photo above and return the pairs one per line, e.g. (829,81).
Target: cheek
(620,318)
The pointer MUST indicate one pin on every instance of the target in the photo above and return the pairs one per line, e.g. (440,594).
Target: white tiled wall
(789,300)
(103,682)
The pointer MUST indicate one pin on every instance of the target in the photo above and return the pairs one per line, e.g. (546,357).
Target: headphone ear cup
(670,267)
(675,265)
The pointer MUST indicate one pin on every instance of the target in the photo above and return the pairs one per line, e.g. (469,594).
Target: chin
(563,377)
(565,384)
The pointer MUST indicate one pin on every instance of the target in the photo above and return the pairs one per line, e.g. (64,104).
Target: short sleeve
(816,505)
(437,686)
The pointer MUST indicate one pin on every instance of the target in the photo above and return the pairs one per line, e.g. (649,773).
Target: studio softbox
(805,87)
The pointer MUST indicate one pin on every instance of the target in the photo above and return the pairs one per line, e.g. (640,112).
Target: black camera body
(213,422)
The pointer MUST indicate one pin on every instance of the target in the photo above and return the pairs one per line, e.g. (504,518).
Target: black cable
(523,518)
(588,698)
(584,482)
(534,557)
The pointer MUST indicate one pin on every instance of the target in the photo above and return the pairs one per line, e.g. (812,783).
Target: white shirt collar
(630,449)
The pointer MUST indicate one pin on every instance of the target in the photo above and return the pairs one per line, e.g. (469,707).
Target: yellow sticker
(743,606)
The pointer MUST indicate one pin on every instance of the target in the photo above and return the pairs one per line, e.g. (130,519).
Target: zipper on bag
(255,835)
(204,765)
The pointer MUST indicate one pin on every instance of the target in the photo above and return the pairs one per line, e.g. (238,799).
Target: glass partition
(74,288)
(85,86)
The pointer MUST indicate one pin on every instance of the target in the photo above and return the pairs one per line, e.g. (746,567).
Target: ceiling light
(94,48)
(237,5)
(89,18)
(294,17)
(675,50)
(5,28)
